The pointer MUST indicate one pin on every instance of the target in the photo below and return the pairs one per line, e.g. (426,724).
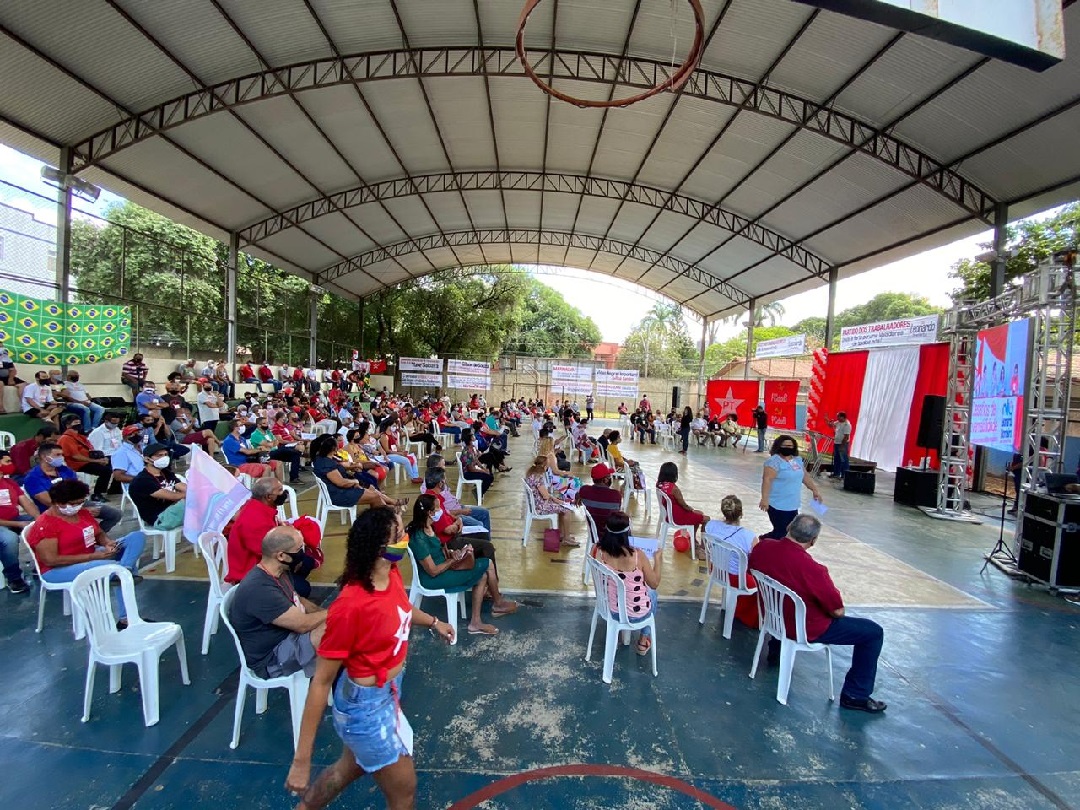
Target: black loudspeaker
(863,482)
(675,397)
(931,422)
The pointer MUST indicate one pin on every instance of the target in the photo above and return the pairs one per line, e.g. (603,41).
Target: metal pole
(830,317)
(701,367)
(230,303)
(751,308)
(63,239)
(997,271)
(361,329)
(313,326)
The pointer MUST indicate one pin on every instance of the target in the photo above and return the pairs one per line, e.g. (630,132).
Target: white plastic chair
(125,499)
(602,577)
(420,447)
(64,587)
(293,512)
(324,506)
(668,523)
(297,683)
(720,554)
(590,543)
(168,539)
(771,596)
(7,440)
(214,550)
(142,643)
(462,481)
(630,492)
(455,602)
(665,435)
(531,514)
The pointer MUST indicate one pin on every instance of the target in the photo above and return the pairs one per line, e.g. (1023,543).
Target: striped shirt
(133,369)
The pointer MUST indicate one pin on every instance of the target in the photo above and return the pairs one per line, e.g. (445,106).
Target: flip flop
(507,608)
(484,630)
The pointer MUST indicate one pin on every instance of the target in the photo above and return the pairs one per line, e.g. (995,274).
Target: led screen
(997,408)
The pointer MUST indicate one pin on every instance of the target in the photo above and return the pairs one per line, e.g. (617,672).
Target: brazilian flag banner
(43,332)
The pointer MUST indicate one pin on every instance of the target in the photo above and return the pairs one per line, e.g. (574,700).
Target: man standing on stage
(841,444)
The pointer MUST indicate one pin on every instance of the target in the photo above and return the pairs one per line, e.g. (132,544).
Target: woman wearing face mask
(367,632)
(434,565)
(342,486)
(67,540)
(782,481)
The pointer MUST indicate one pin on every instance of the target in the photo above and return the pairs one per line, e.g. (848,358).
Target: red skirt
(746,606)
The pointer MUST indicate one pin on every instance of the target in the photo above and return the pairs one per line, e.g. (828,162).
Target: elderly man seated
(278,629)
(700,428)
(38,401)
(600,498)
(728,430)
(75,399)
(788,561)
(156,491)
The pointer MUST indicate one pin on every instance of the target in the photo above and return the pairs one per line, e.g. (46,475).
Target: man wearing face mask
(80,455)
(133,373)
(154,430)
(106,437)
(127,461)
(76,400)
(256,518)
(156,491)
(148,402)
(210,404)
(12,523)
(38,401)
(278,629)
(49,471)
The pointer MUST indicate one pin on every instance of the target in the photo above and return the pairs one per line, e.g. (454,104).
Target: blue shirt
(128,458)
(144,399)
(786,492)
(231,448)
(37,481)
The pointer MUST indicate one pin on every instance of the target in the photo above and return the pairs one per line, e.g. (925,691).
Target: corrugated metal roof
(57,71)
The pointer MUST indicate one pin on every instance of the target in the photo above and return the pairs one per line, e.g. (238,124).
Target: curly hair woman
(367,632)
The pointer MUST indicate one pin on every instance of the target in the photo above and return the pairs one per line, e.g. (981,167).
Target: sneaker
(98,499)
(18,586)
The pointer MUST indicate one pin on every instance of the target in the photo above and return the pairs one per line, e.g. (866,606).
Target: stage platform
(976,670)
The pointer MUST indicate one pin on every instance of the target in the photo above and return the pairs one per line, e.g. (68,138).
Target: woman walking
(684,428)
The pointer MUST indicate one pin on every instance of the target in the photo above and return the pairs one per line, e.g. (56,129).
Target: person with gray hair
(788,561)
(278,629)
(470,515)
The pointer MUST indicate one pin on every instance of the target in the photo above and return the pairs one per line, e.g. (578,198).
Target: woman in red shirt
(367,632)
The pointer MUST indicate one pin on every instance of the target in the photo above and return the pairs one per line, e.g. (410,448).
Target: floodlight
(56,178)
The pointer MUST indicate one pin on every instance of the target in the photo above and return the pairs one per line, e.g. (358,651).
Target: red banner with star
(733,396)
(780,396)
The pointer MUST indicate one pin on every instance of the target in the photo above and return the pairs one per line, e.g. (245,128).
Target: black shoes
(18,586)
(868,705)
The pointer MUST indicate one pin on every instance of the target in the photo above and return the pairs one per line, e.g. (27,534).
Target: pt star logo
(727,404)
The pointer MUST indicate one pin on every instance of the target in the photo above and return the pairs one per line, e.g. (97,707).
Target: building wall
(27,254)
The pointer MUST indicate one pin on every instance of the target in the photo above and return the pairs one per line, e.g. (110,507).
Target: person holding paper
(782,480)
(633,567)
(367,633)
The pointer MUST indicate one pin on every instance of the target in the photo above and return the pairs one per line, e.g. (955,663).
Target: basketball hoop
(673,82)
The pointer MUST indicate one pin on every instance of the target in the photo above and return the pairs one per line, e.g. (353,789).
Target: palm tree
(772,312)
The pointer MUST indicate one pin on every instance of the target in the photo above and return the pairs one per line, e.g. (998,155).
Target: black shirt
(761,419)
(142,489)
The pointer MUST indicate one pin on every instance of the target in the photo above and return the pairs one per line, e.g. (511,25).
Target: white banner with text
(562,373)
(467,382)
(922,329)
(425,364)
(619,376)
(418,379)
(781,347)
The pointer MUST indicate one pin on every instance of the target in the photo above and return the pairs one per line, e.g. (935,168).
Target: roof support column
(230,302)
(313,326)
(360,329)
(751,307)
(997,270)
(701,365)
(830,316)
(63,229)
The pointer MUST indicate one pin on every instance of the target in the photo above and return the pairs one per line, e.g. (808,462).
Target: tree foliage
(551,327)
(659,345)
(886,306)
(1029,243)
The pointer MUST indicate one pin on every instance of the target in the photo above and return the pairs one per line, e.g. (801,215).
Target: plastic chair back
(665,507)
(721,554)
(530,501)
(91,593)
(605,580)
(226,603)
(771,596)
(292,513)
(213,545)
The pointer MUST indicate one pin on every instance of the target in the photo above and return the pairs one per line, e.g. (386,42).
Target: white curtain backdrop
(886,405)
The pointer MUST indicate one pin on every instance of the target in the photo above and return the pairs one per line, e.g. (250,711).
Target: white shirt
(206,412)
(311,374)
(699,424)
(38,393)
(105,438)
(77,391)
(841,432)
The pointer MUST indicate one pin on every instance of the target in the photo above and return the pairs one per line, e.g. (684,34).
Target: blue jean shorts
(365,717)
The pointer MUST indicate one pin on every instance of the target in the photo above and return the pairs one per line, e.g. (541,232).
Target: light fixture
(57,179)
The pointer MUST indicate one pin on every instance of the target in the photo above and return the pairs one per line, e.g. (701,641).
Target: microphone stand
(1001,549)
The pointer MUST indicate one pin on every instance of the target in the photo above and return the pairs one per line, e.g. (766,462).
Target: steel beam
(526,236)
(540,182)
(632,72)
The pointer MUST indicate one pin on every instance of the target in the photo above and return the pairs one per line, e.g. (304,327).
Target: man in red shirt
(788,561)
(246,373)
(12,523)
(257,518)
(600,497)
(22,454)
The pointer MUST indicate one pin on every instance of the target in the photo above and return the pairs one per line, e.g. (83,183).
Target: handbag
(552,540)
(466,563)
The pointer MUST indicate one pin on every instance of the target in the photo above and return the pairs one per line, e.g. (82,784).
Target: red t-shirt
(369,631)
(75,537)
(10,492)
(789,564)
(266,373)
(254,520)
(246,372)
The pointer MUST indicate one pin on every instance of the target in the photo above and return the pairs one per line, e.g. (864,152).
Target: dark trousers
(780,520)
(430,442)
(865,637)
(840,459)
(103,471)
(482,546)
(290,455)
(685,436)
(486,479)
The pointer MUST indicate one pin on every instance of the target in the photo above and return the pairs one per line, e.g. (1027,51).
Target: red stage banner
(780,398)
(734,396)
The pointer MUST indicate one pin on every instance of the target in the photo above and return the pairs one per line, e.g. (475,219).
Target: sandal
(505,608)
(644,644)
(571,543)
(483,630)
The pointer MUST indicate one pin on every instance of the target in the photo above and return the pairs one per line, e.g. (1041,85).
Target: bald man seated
(279,630)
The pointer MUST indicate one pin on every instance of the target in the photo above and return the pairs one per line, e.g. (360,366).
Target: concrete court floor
(978,672)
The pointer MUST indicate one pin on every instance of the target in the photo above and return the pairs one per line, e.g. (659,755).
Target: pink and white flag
(213,496)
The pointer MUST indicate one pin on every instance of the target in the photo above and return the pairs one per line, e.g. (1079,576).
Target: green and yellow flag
(45,332)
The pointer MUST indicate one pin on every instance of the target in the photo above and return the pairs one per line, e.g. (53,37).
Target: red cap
(130,430)
(600,471)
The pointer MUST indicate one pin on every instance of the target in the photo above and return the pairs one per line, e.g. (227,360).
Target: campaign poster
(733,396)
(997,405)
(780,396)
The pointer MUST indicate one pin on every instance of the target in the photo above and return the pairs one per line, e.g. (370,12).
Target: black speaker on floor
(931,422)
(675,397)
